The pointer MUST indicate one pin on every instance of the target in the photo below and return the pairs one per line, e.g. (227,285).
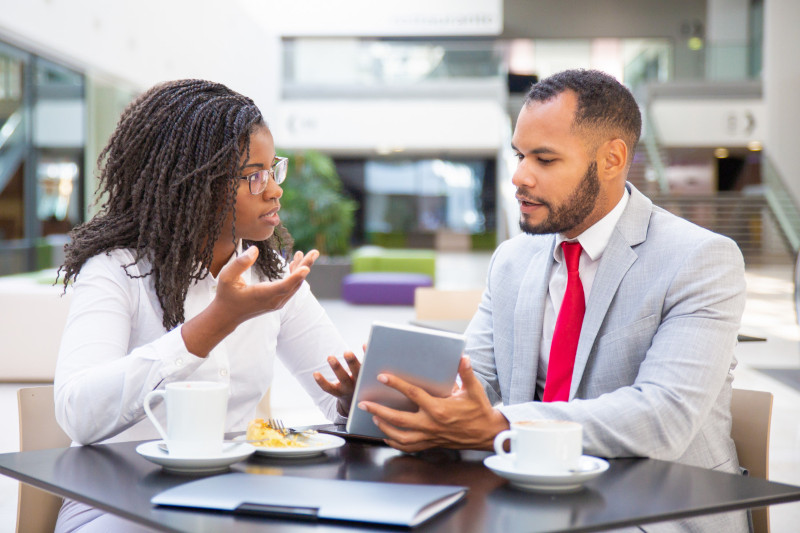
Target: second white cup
(195,417)
(543,446)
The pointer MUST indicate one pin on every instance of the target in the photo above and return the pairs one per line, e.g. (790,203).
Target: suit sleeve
(480,344)
(683,373)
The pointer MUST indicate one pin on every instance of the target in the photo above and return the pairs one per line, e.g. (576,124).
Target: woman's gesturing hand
(239,301)
(236,301)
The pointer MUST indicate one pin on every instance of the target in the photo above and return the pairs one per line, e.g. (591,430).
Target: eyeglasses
(257,181)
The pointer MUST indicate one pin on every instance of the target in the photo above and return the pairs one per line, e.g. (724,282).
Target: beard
(572,212)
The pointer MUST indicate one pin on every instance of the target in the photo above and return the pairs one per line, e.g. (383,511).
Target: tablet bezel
(425,357)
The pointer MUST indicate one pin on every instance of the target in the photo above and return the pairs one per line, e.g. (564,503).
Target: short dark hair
(606,108)
(166,180)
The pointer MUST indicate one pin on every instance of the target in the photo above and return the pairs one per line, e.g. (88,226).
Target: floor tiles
(788,376)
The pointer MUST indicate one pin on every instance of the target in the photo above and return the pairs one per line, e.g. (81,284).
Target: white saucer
(317,444)
(231,453)
(590,468)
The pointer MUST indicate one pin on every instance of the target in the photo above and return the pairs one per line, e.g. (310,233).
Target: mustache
(522,196)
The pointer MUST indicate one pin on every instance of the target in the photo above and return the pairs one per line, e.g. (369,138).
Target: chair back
(438,304)
(37,509)
(751,413)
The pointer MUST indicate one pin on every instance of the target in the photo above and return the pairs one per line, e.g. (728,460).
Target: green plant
(315,209)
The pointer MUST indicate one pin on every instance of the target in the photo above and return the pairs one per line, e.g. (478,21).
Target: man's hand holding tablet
(463,420)
(405,392)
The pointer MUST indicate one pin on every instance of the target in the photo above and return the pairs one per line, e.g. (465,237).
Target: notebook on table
(398,504)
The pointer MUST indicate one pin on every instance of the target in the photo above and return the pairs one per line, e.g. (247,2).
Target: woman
(180,276)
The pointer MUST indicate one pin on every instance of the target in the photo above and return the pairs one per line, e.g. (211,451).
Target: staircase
(642,173)
(746,218)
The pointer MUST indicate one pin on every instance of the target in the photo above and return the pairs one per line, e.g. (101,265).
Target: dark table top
(115,478)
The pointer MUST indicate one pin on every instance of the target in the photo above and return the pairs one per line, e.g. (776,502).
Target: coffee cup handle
(500,440)
(149,412)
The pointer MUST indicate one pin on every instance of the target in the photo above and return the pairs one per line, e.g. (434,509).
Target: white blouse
(115,350)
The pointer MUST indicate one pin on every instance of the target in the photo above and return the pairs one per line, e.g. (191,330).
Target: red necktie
(567,330)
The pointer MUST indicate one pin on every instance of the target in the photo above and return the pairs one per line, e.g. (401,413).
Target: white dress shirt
(593,241)
(115,350)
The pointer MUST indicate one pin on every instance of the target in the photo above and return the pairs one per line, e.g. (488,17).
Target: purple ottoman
(388,288)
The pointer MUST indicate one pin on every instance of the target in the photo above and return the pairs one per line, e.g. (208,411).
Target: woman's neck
(221,254)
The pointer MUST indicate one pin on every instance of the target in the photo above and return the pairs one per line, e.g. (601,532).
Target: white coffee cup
(542,446)
(195,417)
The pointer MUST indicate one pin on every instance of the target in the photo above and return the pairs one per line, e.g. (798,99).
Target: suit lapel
(528,319)
(617,259)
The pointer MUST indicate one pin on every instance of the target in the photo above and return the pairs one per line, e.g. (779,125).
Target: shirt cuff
(176,362)
(514,413)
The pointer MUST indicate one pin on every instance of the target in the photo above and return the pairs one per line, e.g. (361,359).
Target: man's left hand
(465,419)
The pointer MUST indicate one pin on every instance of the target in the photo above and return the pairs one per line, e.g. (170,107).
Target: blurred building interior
(415,103)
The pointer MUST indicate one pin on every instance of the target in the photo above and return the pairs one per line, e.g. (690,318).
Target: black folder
(398,504)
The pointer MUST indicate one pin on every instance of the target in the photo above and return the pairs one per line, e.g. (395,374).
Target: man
(648,372)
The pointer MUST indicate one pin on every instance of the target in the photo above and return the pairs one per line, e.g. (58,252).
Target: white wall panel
(705,122)
(781,89)
(385,126)
(148,41)
(381,18)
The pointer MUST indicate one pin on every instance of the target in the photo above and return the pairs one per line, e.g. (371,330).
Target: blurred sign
(465,126)
(706,122)
(379,18)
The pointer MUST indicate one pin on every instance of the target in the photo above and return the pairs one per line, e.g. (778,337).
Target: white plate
(231,453)
(590,467)
(317,444)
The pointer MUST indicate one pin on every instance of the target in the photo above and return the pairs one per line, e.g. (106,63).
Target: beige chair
(437,304)
(37,510)
(752,414)
(32,318)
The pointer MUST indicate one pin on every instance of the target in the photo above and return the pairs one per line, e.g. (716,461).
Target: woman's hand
(239,301)
(343,390)
(236,301)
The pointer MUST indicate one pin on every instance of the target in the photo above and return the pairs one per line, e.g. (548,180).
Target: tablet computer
(425,357)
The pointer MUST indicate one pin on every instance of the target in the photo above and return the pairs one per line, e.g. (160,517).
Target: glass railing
(651,64)
(359,64)
(10,126)
(780,201)
(734,62)
(12,146)
(719,66)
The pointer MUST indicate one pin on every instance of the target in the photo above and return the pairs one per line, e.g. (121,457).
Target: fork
(278,425)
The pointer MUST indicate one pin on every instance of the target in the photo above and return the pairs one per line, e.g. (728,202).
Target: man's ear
(612,159)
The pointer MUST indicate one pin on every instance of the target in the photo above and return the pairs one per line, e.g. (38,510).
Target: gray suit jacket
(652,375)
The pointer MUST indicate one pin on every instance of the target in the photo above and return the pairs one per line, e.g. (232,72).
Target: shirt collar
(595,239)
(246,275)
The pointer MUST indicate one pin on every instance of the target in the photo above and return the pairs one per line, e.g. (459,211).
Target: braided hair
(165,182)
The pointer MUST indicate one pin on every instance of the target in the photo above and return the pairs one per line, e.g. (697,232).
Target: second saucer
(590,468)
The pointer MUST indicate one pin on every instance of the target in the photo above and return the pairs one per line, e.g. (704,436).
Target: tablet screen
(425,357)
